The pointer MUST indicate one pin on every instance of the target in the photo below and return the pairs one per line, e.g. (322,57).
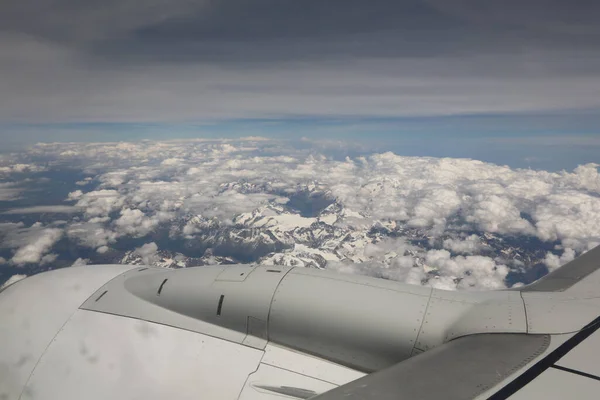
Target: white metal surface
(232,305)
(133,295)
(34,310)
(553,384)
(364,281)
(347,321)
(270,382)
(69,334)
(585,356)
(440,314)
(451,315)
(102,356)
(558,312)
(556,341)
(304,364)
(588,287)
(504,314)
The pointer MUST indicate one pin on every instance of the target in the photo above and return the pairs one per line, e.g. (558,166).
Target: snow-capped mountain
(170,259)
(278,234)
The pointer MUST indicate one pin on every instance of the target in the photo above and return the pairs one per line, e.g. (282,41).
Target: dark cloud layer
(191,60)
(273,19)
(203,21)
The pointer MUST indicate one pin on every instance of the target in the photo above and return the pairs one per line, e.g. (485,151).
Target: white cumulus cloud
(190,187)
(553,261)
(32,244)
(469,245)
(80,261)
(147,252)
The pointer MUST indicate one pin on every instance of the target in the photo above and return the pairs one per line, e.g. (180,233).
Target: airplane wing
(274,333)
(461,369)
(492,367)
(502,366)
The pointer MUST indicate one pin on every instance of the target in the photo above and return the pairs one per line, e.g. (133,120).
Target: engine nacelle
(361,322)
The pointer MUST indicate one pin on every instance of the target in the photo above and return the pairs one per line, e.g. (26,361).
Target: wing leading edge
(568,275)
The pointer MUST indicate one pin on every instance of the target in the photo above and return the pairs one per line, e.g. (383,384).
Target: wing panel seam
(576,372)
(421,325)
(273,299)
(45,350)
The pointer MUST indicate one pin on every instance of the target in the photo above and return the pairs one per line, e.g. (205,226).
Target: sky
(513,82)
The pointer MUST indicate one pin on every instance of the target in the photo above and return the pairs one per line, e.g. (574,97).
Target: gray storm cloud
(193,60)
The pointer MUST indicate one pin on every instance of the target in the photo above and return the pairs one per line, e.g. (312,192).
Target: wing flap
(461,369)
